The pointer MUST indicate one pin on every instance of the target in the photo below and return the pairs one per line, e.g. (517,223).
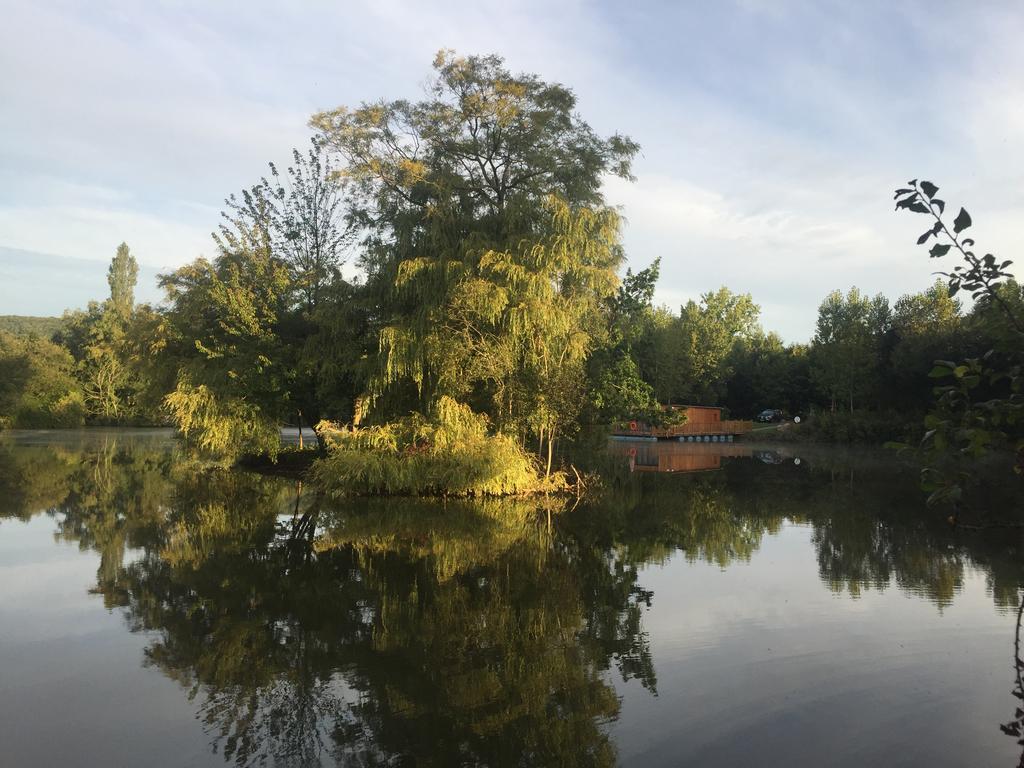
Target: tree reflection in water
(1015,727)
(386,632)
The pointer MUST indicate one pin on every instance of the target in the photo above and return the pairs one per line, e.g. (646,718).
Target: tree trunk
(300,430)
(551,444)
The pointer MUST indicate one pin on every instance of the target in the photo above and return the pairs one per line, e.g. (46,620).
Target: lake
(713,605)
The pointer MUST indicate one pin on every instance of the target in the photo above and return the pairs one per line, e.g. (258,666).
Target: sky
(773,133)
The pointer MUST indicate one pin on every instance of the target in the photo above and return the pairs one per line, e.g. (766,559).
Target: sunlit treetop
(483,139)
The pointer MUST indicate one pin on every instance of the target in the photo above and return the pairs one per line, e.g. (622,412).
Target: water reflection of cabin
(704,423)
(660,456)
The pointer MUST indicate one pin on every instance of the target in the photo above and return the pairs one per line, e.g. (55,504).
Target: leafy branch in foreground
(981,276)
(984,402)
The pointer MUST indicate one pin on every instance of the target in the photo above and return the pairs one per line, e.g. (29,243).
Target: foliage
(221,427)
(28,325)
(620,393)
(982,405)
(298,218)
(768,374)
(870,426)
(122,276)
(688,359)
(38,389)
(489,253)
(450,454)
(234,371)
(100,339)
(845,354)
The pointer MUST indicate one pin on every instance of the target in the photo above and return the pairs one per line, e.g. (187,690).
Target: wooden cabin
(704,423)
(700,414)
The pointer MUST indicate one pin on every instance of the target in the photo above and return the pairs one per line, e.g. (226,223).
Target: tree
(233,370)
(689,355)
(487,247)
(632,310)
(299,217)
(38,389)
(97,337)
(767,374)
(618,389)
(927,327)
(844,354)
(122,276)
(710,330)
(981,402)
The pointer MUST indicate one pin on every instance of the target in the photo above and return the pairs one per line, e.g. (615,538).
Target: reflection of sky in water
(758,662)
(73,689)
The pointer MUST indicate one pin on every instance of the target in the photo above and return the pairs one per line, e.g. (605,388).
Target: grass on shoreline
(448,454)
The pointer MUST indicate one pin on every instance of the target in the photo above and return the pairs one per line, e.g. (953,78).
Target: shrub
(448,454)
(37,387)
(874,427)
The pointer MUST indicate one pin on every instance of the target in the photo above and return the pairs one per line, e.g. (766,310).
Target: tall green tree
(97,338)
(844,354)
(689,355)
(488,249)
(766,373)
(299,216)
(122,277)
(233,371)
(927,326)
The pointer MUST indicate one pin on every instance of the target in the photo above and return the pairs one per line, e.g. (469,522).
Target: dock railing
(731,427)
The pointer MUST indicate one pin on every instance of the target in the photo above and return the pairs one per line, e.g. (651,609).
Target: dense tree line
(483,269)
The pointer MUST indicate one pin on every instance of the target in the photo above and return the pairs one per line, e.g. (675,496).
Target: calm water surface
(720,605)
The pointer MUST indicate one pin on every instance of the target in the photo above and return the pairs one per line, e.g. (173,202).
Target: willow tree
(487,243)
(552,292)
(233,370)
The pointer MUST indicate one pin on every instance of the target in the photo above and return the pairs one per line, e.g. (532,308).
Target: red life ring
(632,426)
(632,451)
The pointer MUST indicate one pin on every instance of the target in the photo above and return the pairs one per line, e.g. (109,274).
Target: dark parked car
(769,415)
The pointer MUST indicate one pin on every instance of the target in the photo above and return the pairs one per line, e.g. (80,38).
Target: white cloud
(93,233)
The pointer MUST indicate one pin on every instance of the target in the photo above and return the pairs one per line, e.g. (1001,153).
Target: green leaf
(962,221)
(929,189)
(939,371)
(960,371)
(939,249)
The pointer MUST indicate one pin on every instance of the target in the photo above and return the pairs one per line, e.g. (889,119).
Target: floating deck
(687,433)
(703,424)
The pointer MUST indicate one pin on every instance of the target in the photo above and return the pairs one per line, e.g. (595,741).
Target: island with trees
(437,287)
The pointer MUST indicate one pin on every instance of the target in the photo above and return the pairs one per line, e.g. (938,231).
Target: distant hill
(26,325)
